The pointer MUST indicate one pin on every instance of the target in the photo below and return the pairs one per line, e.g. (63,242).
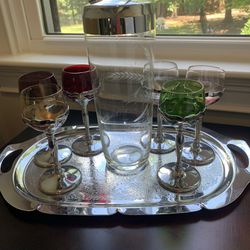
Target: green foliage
(73,29)
(241,3)
(246,29)
(193,6)
(70,11)
(172,6)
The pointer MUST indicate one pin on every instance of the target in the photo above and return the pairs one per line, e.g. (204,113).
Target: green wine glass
(181,102)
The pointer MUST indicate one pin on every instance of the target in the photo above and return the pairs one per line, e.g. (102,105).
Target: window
(28,34)
(174,17)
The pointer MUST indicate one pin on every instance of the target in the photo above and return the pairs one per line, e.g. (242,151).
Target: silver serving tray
(103,192)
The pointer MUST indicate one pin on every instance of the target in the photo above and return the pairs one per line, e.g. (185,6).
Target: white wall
(4,49)
(4,45)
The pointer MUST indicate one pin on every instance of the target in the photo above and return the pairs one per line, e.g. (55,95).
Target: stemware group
(181,102)
(45,109)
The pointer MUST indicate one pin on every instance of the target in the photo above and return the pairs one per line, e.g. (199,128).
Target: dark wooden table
(227,228)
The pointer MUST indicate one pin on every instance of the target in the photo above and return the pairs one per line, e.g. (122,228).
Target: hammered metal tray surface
(103,192)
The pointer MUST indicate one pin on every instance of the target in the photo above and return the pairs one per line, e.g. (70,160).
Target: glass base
(127,170)
(168,179)
(43,158)
(164,146)
(58,184)
(205,155)
(127,159)
(83,147)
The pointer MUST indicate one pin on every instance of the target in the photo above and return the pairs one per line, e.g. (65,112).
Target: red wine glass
(79,83)
(43,158)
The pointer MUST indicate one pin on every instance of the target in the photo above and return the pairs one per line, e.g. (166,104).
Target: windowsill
(233,69)
(40,60)
(233,108)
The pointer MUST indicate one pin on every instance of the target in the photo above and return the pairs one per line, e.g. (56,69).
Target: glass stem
(179,145)
(54,152)
(159,137)
(85,118)
(197,139)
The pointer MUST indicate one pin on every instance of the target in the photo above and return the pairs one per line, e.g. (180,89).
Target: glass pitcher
(118,38)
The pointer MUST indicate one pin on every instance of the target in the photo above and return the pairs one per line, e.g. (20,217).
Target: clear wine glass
(163,71)
(181,101)
(44,109)
(79,83)
(197,152)
(43,158)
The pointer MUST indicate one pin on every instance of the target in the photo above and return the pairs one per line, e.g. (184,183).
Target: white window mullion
(16,25)
(34,19)
(48,16)
(9,26)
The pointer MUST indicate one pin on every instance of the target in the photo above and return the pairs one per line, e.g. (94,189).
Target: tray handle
(242,177)
(7,158)
(12,151)
(243,149)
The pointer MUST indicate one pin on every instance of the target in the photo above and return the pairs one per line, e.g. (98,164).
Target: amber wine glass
(44,109)
(181,101)
(43,157)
